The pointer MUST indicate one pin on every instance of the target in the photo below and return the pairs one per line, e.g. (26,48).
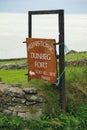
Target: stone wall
(82,62)
(22,102)
(13,66)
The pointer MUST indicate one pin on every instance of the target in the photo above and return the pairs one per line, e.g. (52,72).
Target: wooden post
(61,61)
(29,24)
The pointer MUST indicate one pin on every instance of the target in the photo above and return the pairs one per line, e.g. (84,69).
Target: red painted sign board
(42,62)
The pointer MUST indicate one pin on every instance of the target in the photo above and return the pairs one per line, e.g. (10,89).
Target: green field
(54,118)
(13,61)
(76,56)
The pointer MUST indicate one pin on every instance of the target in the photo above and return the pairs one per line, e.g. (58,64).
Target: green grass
(64,121)
(76,56)
(13,61)
(54,118)
(68,57)
(13,76)
(76,74)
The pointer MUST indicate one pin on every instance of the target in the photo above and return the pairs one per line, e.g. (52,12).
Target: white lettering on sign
(42,56)
(38,72)
(45,77)
(41,65)
(45,73)
(40,43)
(52,74)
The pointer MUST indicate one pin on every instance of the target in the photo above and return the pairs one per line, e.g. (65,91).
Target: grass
(77,121)
(76,74)
(68,57)
(13,76)
(13,61)
(53,119)
(76,56)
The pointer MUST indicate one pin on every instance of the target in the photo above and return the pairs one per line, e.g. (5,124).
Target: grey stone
(30,103)
(20,108)
(21,102)
(31,90)
(33,98)
(7,111)
(33,115)
(6,98)
(1,82)
(14,113)
(22,115)
(15,92)
(22,66)
(10,108)
(16,85)
(3,88)
(18,100)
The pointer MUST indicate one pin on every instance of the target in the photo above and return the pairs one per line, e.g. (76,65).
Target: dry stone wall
(13,66)
(21,102)
(81,62)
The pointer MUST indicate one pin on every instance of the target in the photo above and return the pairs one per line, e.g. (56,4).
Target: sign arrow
(31,73)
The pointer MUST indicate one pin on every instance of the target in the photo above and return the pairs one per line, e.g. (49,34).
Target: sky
(14,24)
(21,6)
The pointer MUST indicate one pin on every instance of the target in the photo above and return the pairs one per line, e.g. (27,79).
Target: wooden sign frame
(61,47)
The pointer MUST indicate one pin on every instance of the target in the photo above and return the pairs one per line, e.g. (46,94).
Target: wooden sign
(41,59)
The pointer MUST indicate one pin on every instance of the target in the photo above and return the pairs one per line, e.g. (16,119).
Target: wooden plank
(45,12)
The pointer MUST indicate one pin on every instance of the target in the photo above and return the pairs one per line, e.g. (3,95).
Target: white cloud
(14,30)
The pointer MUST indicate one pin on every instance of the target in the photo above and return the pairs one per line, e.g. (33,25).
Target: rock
(32,116)
(33,98)
(32,113)
(2,83)
(6,99)
(12,66)
(22,115)
(16,85)
(28,103)
(7,111)
(3,88)
(15,92)
(10,108)
(18,100)
(22,66)
(9,66)
(31,90)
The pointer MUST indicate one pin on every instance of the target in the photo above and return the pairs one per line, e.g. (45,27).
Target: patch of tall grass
(76,56)
(76,74)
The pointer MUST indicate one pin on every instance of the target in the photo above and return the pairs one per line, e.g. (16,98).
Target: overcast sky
(70,6)
(14,24)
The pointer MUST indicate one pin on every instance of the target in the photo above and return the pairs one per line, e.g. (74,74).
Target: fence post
(61,61)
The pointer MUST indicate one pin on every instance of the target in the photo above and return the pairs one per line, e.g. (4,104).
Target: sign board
(41,55)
